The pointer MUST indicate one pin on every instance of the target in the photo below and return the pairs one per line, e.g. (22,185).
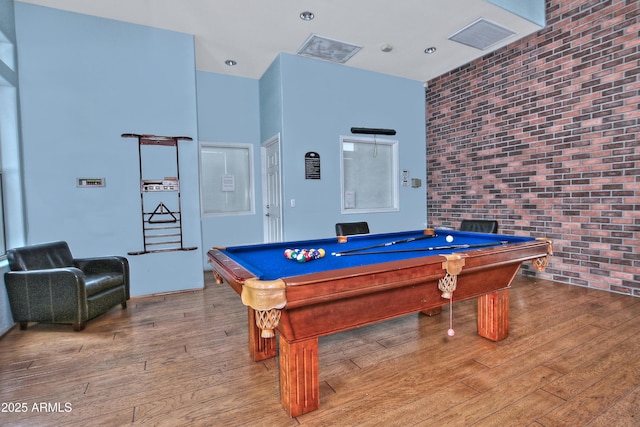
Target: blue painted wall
(84,82)
(228,112)
(322,101)
(533,10)
(81,92)
(271,102)
(311,104)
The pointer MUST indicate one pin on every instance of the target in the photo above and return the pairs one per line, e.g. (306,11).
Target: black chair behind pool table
(479,225)
(351,228)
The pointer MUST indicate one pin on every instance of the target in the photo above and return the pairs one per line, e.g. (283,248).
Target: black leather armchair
(479,225)
(350,228)
(46,284)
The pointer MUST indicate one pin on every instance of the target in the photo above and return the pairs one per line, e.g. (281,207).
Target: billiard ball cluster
(304,255)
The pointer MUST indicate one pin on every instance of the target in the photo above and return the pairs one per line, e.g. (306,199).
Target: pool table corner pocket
(266,297)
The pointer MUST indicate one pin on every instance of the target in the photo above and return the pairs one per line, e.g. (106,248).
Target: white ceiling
(254,32)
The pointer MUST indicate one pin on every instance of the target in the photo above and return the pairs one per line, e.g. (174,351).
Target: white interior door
(271,190)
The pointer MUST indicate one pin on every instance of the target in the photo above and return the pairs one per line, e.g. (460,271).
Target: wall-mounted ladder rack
(161,225)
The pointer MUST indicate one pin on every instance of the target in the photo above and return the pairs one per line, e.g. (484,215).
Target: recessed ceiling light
(430,50)
(230,62)
(307,16)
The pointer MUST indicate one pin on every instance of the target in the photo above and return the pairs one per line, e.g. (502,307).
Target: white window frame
(3,237)
(346,206)
(226,182)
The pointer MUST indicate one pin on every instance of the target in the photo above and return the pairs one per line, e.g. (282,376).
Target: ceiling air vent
(482,34)
(328,49)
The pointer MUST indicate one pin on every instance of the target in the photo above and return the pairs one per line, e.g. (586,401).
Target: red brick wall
(543,136)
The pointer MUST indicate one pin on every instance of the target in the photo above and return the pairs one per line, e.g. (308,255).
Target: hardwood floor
(572,359)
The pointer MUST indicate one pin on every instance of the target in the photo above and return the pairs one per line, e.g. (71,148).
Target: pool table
(364,279)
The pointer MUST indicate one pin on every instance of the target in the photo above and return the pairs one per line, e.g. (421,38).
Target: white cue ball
(449,238)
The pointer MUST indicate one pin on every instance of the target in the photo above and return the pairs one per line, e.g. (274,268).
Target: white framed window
(226,179)
(369,174)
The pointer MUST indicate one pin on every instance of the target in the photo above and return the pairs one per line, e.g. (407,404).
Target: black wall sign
(312,165)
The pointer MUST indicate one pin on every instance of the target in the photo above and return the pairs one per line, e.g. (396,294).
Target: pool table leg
(299,386)
(259,348)
(493,315)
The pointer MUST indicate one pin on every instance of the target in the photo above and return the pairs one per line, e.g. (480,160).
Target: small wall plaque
(312,165)
(90,182)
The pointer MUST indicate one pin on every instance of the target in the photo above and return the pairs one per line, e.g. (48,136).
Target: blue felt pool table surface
(267,261)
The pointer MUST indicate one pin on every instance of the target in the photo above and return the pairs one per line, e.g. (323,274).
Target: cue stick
(433,248)
(382,245)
